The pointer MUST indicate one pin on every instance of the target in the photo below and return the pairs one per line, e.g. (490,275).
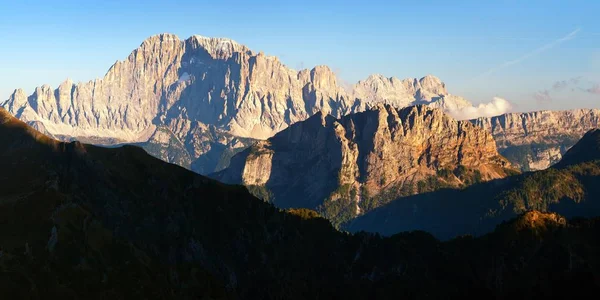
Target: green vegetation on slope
(340,208)
(540,190)
(570,190)
(519,155)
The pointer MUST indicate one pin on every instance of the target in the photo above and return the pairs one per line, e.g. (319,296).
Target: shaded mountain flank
(348,166)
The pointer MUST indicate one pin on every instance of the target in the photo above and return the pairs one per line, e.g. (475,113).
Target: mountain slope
(80,221)
(187,86)
(537,140)
(570,189)
(346,166)
(586,150)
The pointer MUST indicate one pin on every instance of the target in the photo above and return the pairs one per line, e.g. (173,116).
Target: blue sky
(518,51)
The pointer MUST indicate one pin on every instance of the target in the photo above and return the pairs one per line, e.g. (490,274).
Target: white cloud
(496,107)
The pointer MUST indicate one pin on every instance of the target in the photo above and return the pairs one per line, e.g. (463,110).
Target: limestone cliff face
(411,91)
(209,80)
(536,140)
(363,155)
(202,82)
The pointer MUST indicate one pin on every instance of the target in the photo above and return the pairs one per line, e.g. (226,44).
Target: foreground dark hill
(78,221)
(570,188)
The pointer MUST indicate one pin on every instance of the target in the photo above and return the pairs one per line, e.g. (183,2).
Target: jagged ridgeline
(85,222)
(196,102)
(348,166)
(536,140)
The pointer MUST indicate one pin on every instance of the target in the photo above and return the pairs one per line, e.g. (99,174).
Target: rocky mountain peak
(159,39)
(67,84)
(182,85)
(401,93)
(356,158)
(537,140)
(421,117)
(433,84)
(219,48)
(322,77)
(18,93)
(16,101)
(377,78)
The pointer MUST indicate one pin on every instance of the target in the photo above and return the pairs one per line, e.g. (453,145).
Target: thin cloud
(543,96)
(575,84)
(560,85)
(594,90)
(535,52)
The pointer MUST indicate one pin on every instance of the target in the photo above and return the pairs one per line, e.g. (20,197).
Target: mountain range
(297,138)
(199,101)
(82,221)
(196,101)
(537,140)
(347,166)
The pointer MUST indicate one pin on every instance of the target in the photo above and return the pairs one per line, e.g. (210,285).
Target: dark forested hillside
(78,221)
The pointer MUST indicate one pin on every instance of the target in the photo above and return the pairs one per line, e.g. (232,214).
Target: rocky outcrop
(537,140)
(569,188)
(354,160)
(205,82)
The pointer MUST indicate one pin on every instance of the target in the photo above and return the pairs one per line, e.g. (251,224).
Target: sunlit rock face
(183,87)
(361,156)
(537,140)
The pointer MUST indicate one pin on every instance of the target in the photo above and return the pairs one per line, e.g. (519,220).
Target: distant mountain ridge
(586,150)
(214,97)
(537,140)
(184,86)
